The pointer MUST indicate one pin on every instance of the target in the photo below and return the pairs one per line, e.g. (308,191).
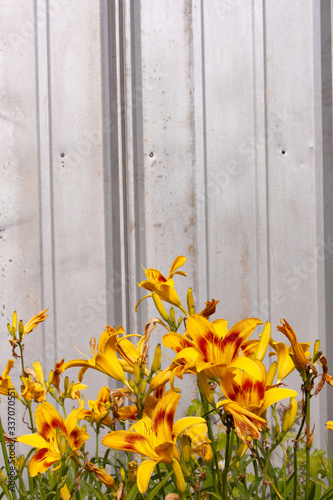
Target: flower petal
(145,471)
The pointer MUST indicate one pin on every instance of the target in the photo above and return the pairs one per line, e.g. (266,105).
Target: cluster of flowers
(232,379)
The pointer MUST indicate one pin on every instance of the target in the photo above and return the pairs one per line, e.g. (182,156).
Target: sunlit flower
(212,347)
(6,386)
(99,409)
(33,322)
(57,372)
(298,356)
(104,358)
(34,384)
(200,443)
(164,287)
(153,438)
(285,360)
(247,399)
(46,440)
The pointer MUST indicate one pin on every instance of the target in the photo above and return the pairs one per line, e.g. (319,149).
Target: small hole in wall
(283,152)
(151,155)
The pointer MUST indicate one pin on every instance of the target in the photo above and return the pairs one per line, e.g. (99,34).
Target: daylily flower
(99,409)
(285,361)
(200,443)
(153,438)
(247,399)
(212,347)
(34,388)
(298,356)
(104,358)
(33,322)
(6,386)
(46,440)
(164,287)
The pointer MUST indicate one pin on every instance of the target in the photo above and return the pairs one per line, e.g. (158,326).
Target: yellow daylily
(34,321)
(153,438)
(46,440)
(99,409)
(247,398)
(104,358)
(299,358)
(34,388)
(212,347)
(164,287)
(285,360)
(6,386)
(200,443)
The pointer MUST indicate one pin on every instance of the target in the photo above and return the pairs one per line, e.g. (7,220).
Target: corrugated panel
(137,131)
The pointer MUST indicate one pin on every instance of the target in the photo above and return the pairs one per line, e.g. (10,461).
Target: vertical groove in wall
(124,157)
(268,241)
(138,153)
(111,166)
(205,166)
(326,106)
(45,174)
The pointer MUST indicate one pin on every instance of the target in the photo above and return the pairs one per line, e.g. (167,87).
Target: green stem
(295,457)
(160,478)
(308,437)
(213,444)
(227,456)
(96,453)
(5,456)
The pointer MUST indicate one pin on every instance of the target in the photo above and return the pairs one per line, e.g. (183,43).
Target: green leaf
(157,488)
(91,489)
(195,409)
(131,495)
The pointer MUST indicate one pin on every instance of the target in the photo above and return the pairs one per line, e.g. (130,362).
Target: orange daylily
(46,440)
(285,361)
(164,287)
(34,321)
(34,388)
(212,347)
(247,399)
(153,438)
(99,409)
(299,358)
(104,357)
(6,386)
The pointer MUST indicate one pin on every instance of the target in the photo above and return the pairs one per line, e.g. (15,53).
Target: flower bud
(66,384)
(172,315)
(21,329)
(62,445)
(271,373)
(205,388)
(160,307)
(264,341)
(137,373)
(190,302)
(143,386)
(122,473)
(180,481)
(132,471)
(156,364)
(186,449)
(290,416)
(14,321)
